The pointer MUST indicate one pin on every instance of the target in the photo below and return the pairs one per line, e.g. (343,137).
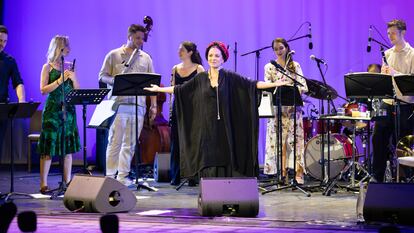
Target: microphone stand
(257,52)
(62,184)
(325,173)
(293,184)
(235,56)
(299,37)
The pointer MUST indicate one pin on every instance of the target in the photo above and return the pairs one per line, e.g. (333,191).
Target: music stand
(297,101)
(132,84)
(284,96)
(85,97)
(405,84)
(368,85)
(13,111)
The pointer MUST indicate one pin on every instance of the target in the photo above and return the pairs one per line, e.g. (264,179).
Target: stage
(169,210)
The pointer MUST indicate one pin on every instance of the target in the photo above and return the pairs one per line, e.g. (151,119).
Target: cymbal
(405,147)
(318,90)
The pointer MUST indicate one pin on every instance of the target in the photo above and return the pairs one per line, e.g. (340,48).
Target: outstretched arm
(265,85)
(155,88)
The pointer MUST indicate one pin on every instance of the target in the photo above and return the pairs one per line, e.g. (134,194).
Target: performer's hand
(282,82)
(153,88)
(387,70)
(71,75)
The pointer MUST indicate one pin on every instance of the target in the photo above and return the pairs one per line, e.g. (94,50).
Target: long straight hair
(57,44)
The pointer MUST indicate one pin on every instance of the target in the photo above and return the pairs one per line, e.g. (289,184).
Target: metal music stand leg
(7,196)
(278,155)
(140,185)
(293,184)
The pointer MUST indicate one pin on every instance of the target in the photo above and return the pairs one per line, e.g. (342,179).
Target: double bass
(155,135)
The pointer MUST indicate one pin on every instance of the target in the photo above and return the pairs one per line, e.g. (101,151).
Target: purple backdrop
(340,31)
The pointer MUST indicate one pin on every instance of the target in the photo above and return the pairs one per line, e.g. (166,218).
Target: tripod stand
(132,84)
(85,97)
(13,111)
(352,164)
(297,100)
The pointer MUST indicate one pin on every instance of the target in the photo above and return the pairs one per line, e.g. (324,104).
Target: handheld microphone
(318,60)
(310,36)
(369,39)
(73,65)
(278,67)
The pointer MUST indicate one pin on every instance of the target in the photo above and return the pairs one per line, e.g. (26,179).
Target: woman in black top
(190,65)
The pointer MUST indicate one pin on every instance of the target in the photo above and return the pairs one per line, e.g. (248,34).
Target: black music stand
(13,111)
(405,84)
(85,97)
(284,96)
(132,84)
(369,85)
(297,101)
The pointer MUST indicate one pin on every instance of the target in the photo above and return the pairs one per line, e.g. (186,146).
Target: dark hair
(370,66)
(3,29)
(133,28)
(195,56)
(290,65)
(221,46)
(400,24)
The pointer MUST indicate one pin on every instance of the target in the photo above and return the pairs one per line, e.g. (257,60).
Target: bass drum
(340,151)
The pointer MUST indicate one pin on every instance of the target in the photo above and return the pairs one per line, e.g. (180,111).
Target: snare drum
(361,109)
(340,151)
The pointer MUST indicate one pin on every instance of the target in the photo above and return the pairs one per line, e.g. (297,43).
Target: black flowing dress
(217,127)
(174,145)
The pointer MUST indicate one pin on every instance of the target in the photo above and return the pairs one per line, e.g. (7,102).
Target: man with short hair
(398,60)
(8,70)
(122,138)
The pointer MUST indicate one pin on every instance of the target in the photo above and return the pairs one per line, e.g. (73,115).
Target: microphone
(73,65)
(310,36)
(279,67)
(318,60)
(131,57)
(369,39)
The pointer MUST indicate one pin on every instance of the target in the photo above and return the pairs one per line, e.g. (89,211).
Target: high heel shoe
(45,190)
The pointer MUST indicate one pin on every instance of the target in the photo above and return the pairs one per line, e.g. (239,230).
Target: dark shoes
(45,190)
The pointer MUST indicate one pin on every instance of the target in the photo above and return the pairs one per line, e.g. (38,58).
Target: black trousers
(175,151)
(384,130)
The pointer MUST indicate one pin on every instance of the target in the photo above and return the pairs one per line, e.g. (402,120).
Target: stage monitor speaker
(228,196)
(162,167)
(389,202)
(98,194)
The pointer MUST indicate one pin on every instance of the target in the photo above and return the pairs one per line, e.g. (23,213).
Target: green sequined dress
(50,136)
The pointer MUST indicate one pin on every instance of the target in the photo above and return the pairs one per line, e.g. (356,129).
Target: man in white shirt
(122,138)
(398,60)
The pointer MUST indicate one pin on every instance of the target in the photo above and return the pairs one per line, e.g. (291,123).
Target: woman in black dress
(217,119)
(190,65)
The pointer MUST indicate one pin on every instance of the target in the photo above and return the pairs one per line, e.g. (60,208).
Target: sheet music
(103,111)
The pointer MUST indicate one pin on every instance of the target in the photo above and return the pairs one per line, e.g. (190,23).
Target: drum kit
(341,143)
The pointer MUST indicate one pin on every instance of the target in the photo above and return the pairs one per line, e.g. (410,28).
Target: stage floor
(282,211)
